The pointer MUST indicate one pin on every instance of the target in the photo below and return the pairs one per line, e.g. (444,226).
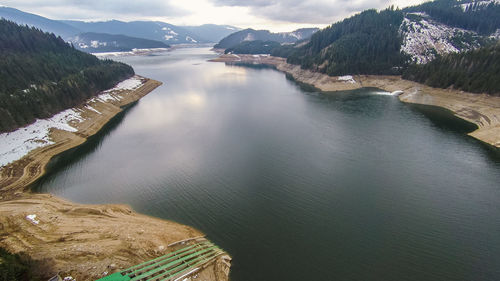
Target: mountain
(153,30)
(386,42)
(45,24)
(476,71)
(264,35)
(40,75)
(102,42)
(211,32)
(367,43)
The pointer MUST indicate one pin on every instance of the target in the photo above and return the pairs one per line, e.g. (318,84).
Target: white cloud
(276,15)
(98,9)
(311,11)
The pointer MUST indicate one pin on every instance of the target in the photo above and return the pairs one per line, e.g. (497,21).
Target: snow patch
(474,5)
(93,109)
(32,219)
(249,37)
(129,84)
(17,144)
(347,79)
(384,93)
(191,39)
(424,38)
(96,44)
(496,34)
(129,53)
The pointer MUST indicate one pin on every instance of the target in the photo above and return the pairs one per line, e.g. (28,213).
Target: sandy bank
(84,241)
(480,109)
(94,114)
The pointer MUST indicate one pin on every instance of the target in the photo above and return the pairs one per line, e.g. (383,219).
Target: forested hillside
(264,35)
(476,71)
(479,16)
(254,47)
(367,43)
(102,42)
(389,41)
(40,75)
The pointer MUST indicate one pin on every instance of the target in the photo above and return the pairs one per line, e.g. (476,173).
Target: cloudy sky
(276,15)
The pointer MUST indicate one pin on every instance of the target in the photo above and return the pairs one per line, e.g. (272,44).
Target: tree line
(367,43)
(41,75)
(476,71)
(480,17)
(254,47)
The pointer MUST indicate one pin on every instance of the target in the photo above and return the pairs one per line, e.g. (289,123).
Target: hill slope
(476,71)
(42,23)
(254,47)
(264,35)
(386,42)
(211,32)
(153,30)
(41,75)
(367,43)
(102,42)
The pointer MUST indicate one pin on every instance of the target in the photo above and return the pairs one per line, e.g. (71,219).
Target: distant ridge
(212,32)
(264,35)
(102,42)
(45,24)
(41,75)
(151,30)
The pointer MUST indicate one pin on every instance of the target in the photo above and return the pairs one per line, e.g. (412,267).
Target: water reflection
(298,185)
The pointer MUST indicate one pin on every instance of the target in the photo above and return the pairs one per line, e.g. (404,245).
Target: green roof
(172,265)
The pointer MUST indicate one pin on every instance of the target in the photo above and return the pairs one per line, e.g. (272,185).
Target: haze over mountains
(101,31)
(371,42)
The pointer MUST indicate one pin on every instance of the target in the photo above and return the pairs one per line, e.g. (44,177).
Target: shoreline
(84,241)
(480,109)
(17,176)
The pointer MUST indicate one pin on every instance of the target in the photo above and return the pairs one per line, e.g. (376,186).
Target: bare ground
(84,241)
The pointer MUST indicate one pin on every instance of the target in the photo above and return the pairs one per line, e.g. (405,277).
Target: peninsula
(54,98)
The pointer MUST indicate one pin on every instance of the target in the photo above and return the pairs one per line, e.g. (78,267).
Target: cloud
(98,9)
(276,15)
(306,11)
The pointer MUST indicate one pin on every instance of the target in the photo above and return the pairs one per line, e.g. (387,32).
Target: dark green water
(296,185)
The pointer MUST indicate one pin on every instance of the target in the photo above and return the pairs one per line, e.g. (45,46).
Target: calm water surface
(296,185)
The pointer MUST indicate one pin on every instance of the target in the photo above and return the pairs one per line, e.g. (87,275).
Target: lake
(295,184)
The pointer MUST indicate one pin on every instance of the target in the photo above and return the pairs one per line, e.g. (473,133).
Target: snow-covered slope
(152,30)
(477,4)
(101,42)
(15,145)
(299,34)
(265,35)
(424,38)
